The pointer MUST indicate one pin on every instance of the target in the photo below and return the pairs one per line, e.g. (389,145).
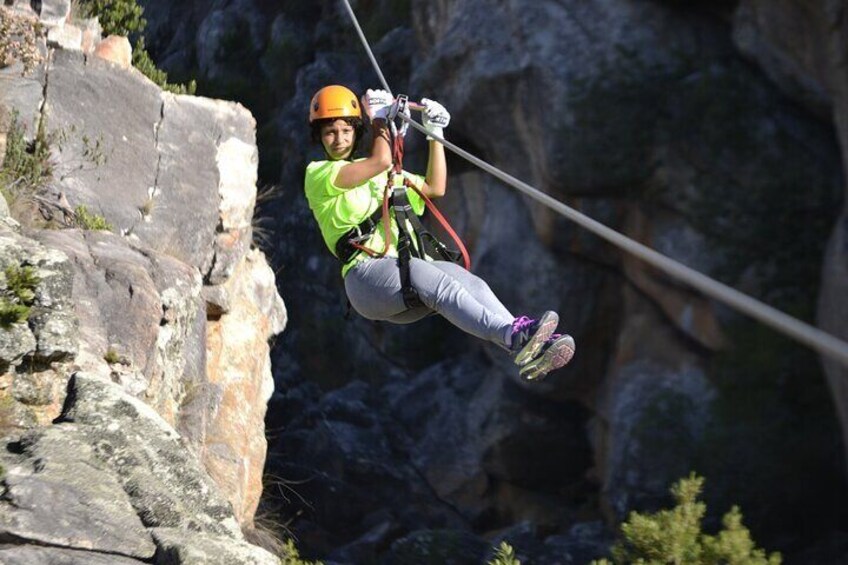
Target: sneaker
(556,353)
(528,336)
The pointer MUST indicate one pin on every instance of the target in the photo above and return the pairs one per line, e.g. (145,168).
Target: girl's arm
(358,172)
(376,104)
(435,118)
(435,182)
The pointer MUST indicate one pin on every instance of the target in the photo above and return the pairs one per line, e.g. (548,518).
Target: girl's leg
(476,286)
(373,288)
(375,292)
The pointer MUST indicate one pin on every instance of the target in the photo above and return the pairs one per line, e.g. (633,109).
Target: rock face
(648,116)
(111,477)
(134,388)
(802,45)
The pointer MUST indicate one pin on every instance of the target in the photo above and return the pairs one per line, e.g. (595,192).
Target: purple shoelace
(522,323)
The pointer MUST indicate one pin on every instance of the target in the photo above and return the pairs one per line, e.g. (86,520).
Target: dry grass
(19,38)
(263,233)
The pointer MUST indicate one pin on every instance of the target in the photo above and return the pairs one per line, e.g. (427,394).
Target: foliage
(268,533)
(88,221)
(11,313)
(126,17)
(26,165)
(116,17)
(290,555)
(505,555)
(674,536)
(143,62)
(19,36)
(17,294)
(112,356)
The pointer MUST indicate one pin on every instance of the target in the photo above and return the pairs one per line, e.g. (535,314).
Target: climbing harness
(810,336)
(414,240)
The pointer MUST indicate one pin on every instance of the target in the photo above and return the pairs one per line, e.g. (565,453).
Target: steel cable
(798,330)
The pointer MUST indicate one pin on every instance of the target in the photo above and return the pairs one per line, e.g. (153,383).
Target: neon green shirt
(338,210)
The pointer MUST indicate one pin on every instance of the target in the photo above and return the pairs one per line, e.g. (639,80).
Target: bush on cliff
(26,165)
(126,17)
(674,536)
(17,294)
(504,555)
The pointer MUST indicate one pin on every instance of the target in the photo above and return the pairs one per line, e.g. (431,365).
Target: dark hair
(356,123)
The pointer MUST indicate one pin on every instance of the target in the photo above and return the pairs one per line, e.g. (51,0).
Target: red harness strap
(397,169)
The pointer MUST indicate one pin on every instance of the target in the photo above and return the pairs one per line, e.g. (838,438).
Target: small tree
(504,555)
(674,536)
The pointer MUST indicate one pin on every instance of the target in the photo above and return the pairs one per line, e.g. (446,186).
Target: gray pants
(374,290)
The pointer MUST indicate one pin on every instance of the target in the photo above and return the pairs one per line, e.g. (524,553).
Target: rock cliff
(803,47)
(133,390)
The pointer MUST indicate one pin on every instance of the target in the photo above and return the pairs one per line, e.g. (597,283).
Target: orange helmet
(334,101)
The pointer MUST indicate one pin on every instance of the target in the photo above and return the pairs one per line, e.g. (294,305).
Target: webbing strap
(405,248)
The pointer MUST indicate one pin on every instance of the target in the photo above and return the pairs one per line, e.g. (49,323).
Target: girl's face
(338,137)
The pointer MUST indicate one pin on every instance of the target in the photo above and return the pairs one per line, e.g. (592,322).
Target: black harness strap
(405,247)
(345,250)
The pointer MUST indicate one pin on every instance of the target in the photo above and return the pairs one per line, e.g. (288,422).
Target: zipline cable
(802,332)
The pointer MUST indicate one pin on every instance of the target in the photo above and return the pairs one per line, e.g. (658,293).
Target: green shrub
(17,294)
(674,536)
(26,165)
(116,17)
(126,17)
(290,555)
(111,356)
(504,555)
(88,221)
(11,313)
(143,62)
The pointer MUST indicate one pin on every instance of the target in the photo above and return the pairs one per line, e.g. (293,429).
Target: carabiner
(400,107)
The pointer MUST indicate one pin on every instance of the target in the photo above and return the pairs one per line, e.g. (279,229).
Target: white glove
(377,104)
(434,118)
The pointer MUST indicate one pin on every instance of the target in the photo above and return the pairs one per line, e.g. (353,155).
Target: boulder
(114,479)
(92,35)
(115,49)
(58,495)
(784,38)
(139,305)
(475,439)
(165,481)
(67,37)
(355,491)
(184,547)
(55,12)
(35,555)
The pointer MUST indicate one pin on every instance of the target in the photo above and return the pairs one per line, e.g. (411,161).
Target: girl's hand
(377,104)
(435,118)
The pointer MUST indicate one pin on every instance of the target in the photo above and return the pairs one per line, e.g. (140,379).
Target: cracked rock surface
(123,442)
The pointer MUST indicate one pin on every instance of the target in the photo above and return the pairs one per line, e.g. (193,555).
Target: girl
(344,193)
